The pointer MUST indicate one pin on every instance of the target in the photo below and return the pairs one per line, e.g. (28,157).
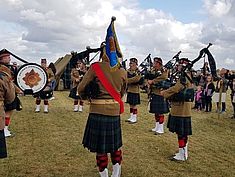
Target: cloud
(229,61)
(34,29)
(218,8)
(220,30)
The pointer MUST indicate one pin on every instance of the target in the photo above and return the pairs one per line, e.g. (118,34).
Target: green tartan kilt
(102,133)
(179,125)
(133,98)
(158,104)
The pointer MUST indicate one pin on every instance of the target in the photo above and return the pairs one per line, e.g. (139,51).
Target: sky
(35,29)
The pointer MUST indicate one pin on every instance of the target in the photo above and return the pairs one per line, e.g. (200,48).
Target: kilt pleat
(102,133)
(158,104)
(133,98)
(179,125)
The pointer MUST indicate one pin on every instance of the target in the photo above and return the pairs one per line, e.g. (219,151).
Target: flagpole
(220,97)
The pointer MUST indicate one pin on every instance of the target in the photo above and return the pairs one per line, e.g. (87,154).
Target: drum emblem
(32,78)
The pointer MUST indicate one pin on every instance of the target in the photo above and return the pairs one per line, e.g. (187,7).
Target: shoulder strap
(108,86)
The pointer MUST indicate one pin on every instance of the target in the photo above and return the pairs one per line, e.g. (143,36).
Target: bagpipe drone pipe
(187,94)
(147,74)
(171,65)
(85,55)
(211,60)
(146,66)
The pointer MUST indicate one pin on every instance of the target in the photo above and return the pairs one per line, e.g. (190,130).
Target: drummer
(47,93)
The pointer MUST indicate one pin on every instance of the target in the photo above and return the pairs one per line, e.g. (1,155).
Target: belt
(103,101)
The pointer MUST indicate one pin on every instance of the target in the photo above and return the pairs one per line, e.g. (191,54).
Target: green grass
(49,145)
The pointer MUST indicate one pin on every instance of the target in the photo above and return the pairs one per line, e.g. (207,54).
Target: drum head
(31,76)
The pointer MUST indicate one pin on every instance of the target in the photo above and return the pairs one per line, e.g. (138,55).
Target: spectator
(198,98)
(209,89)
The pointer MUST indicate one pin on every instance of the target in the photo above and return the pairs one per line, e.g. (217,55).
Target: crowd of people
(103,132)
(209,90)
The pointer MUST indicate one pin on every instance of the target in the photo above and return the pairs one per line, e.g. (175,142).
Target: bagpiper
(158,105)
(77,74)
(181,96)
(133,89)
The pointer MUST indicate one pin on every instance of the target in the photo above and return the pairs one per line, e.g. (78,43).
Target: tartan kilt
(102,133)
(133,98)
(44,95)
(158,104)
(16,104)
(73,93)
(179,125)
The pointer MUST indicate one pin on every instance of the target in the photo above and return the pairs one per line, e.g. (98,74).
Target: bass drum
(31,78)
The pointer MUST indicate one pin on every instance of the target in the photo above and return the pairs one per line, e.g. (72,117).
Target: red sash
(107,85)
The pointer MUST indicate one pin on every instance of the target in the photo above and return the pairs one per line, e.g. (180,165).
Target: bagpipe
(92,89)
(187,94)
(85,55)
(146,71)
(175,72)
(146,65)
(171,67)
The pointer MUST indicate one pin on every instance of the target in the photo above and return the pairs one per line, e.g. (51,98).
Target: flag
(112,48)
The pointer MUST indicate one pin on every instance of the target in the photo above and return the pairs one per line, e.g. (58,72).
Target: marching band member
(48,91)
(10,107)
(179,120)
(133,89)
(103,133)
(158,105)
(7,96)
(77,74)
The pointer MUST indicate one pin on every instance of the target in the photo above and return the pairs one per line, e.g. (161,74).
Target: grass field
(49,145)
